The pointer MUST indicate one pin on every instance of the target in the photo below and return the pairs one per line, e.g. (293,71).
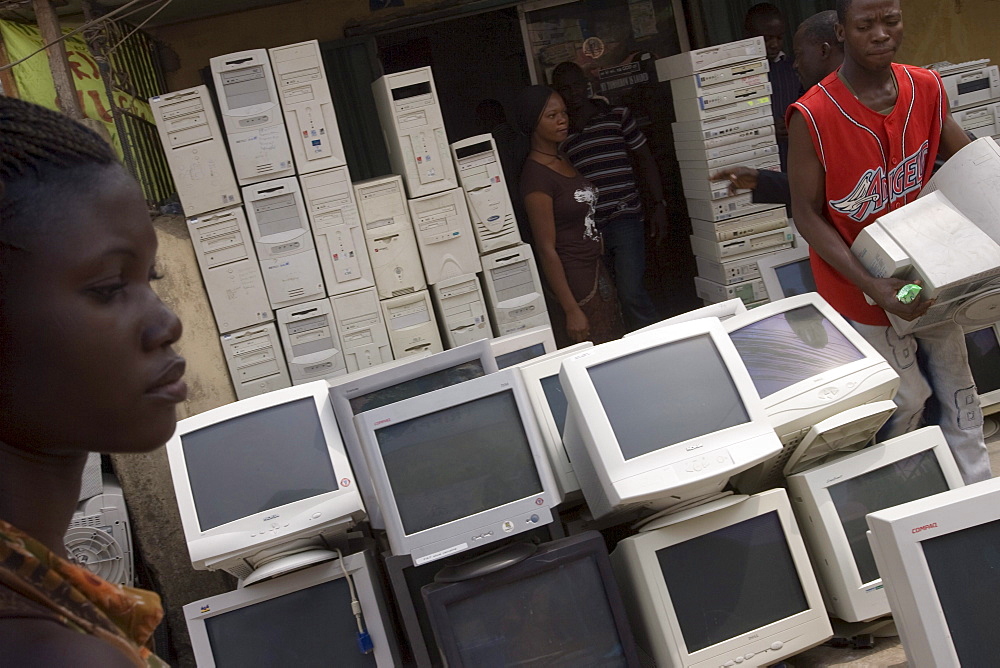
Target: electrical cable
(149,18)
(364,640)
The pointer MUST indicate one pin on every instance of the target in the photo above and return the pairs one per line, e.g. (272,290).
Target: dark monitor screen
(308,627)
(795,278)
(906,480)
(559,617)
(520,355)
(965,567)
(458,461)
(729,582)
(689,382)
(790,347)
(417,386)
(257,461)
(984,359)
(556,398)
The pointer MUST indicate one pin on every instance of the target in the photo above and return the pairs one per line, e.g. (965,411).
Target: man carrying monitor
(863,143)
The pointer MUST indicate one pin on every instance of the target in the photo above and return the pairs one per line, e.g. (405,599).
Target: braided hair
(42,152)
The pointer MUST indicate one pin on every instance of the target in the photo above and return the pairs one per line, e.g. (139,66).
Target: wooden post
(8,84)
(48,25)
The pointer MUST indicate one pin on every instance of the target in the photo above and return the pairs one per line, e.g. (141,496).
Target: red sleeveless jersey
(874,163)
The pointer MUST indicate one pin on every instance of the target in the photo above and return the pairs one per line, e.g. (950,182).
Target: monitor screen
(984,359)
(302,628)
(417,386)
(965,567)
(909,479)
(790,347)
(695,395)
(556,398)
(731,581)
(795,278)
(520,355)
(458,461)
(559,617)
(257,461)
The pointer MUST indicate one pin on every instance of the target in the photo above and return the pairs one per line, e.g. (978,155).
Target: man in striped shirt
(604,144)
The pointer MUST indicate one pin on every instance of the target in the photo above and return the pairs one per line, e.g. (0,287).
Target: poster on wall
(615,42)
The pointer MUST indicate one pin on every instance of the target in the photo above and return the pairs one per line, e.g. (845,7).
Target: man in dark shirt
(605,146)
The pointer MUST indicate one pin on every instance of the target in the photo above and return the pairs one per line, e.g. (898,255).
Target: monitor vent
(97,550)
(404,291)
(297,292)
(240,571)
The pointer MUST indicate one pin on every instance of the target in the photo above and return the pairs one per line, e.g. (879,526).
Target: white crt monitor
(336,227)
(402,379)
(723,582)
(721,310)
(983,345)
(262,476)
(459,467)
(309,114)
(195,151)
(410,114)
(255,127)
(513,349)
(483,180)
(541,379)
(300,619)
(832,500)
(807,364)
(938,558)
(284,241)
(662,418)
(787,273)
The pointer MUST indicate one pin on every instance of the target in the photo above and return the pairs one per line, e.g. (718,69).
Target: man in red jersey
(863,143)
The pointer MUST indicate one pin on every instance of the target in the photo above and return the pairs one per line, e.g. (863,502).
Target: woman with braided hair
(86,365)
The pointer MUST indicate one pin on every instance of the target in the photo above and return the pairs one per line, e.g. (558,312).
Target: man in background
(605,146)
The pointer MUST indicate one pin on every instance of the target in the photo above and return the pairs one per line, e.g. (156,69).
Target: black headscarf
(528,107)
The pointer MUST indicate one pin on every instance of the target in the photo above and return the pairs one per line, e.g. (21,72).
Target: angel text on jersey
(874,190)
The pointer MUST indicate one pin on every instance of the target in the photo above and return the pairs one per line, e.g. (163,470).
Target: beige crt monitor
(392,244)
(256,361)
(309,113)
(195,150)
(461,307)
(285,246)
(413,127)
(485,185)
(361,329)
(224,250)
(411,324)
(251,115)
(336,225)
(312,346)
(722,310)
(513,290)
(444,235)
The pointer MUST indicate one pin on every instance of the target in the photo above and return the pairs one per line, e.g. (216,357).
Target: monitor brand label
(383,421)
(932,525)
(271,517)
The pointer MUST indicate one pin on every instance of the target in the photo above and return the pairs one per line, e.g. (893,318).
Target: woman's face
(86,360)
(553,124)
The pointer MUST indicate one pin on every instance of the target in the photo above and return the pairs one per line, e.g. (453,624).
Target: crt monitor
(300,619)
(808,364)
(261,476)
(541,379)
(726,582)
(518,347)
(832,500)
(662,418)
(983,345)
(459,467)
(721,310)
(395,381)
(940,560)
(787,273)
(559,607)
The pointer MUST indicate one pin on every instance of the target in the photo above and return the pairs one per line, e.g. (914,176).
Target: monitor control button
(727,664)
(777,645)
(738,659)
(748,656)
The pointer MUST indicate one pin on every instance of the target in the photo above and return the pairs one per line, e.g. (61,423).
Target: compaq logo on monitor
(695,447)
(932,525)
(383,421)
(271,517)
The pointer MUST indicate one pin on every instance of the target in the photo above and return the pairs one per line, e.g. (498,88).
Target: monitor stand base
(491,562)
(282,565)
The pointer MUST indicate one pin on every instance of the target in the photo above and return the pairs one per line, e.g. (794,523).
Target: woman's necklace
(557,156)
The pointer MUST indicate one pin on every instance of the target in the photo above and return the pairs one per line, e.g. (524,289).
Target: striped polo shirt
(600,152)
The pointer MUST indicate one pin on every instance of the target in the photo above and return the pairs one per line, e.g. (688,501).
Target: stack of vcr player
(973,90)
(723,107)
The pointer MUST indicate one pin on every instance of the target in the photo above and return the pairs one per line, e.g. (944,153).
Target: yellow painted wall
(955,30)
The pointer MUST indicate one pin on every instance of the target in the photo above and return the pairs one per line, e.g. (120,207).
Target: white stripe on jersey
(819,136)
(881,149)
(913,87)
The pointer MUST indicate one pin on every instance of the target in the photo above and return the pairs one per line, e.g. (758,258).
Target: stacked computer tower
(973,90)
(723,108)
